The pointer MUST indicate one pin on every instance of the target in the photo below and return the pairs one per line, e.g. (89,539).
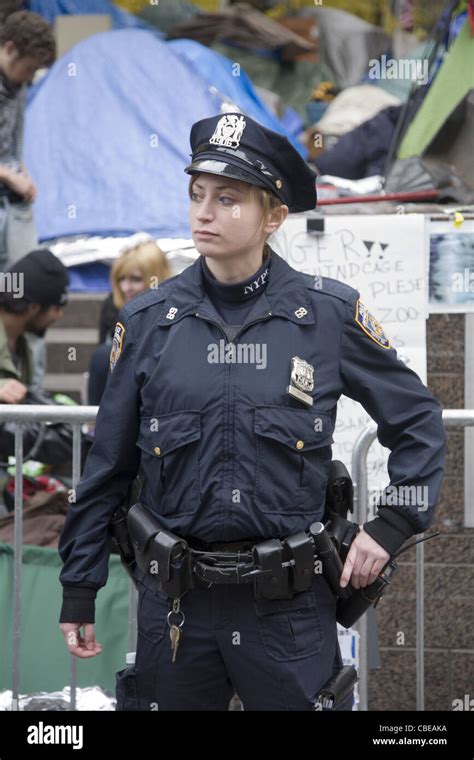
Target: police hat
(234,145)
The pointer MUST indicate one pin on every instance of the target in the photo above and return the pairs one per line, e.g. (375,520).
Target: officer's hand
(364,562)
(12,392)
(81,646)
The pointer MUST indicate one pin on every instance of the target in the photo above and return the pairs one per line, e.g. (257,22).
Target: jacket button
(299,444)
(157,451)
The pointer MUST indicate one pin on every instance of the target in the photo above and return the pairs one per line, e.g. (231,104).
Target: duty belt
(279,568)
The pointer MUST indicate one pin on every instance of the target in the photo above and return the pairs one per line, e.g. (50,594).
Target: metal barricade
(451,418)
(76,416)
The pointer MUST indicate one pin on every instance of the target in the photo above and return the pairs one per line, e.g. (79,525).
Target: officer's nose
(204,211)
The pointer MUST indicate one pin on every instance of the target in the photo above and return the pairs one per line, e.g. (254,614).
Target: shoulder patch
(370,326)
(117,342)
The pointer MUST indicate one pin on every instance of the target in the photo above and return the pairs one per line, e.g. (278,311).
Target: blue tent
(232,81)
(107,136)
(49,9)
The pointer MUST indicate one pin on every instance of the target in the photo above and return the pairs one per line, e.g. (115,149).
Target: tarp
(347,43)
(44,659)
(167,13)
(107,133)
(49,9)
(107,138)
(246,28)
(453,82)
(232,82)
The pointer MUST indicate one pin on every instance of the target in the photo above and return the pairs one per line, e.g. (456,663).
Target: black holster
(160,553)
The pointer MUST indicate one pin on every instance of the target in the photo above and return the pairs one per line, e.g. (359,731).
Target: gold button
(299,444)
(157,451)
(278,183)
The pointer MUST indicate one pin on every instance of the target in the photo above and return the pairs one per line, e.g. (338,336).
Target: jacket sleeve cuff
(390,529)
(78,605)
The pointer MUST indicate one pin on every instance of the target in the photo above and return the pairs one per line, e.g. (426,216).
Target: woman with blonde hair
(141,265)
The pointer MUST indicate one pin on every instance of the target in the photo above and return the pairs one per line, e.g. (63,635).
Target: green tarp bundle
(454,80)
(44,659)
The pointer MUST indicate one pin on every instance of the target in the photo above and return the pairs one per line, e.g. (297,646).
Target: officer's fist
(81,646)
(364,562)
(12,392)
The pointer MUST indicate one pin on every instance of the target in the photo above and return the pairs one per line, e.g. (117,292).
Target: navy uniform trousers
(276,654)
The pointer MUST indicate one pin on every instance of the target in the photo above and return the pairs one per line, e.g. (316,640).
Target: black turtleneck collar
(237,291)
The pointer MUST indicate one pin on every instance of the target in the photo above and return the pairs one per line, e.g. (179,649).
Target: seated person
(141,265)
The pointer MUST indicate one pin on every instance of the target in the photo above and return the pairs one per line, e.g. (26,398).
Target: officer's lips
(205,234)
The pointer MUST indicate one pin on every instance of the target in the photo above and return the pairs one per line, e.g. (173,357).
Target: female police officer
(223,387)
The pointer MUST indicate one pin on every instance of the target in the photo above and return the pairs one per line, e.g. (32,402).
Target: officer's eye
(226,200)
(194,196)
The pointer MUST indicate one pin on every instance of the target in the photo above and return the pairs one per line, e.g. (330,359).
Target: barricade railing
(451,418)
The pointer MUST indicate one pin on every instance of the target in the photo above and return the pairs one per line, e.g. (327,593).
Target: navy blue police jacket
(226,453)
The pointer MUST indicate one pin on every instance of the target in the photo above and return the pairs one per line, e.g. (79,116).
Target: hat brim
(226,169)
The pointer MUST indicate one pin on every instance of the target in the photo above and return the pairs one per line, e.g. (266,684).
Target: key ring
(175,610)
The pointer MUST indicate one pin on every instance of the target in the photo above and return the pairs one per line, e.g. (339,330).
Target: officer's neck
(238,268)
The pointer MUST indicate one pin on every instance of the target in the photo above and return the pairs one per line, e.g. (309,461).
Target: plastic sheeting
(107,133)
(232,82)
(107,138)
(45,662)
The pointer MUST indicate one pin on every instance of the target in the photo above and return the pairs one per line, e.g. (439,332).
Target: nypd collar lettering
(117,343)
(370,325)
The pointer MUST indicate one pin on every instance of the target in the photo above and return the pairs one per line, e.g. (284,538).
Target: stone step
(70,350)
(82,310)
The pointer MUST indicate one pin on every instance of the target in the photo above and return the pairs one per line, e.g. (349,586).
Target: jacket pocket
(290,629)
(170,460)
(293,453)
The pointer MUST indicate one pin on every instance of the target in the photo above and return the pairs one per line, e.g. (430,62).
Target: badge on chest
(301,381)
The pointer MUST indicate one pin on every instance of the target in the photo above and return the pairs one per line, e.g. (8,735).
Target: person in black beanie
(33,294)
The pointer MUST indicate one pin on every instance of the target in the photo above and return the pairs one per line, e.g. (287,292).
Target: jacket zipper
(213,322)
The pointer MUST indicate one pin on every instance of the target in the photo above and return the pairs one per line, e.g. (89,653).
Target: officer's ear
(276,217)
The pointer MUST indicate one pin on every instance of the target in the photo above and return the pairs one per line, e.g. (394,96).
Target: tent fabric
(168,13)
(352,107)
(108,148)
(243,26)
(347,43)
(116,138)
(49,9)
(362,152)
(233,83)
(44,659)
(454,81)
(292,81)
